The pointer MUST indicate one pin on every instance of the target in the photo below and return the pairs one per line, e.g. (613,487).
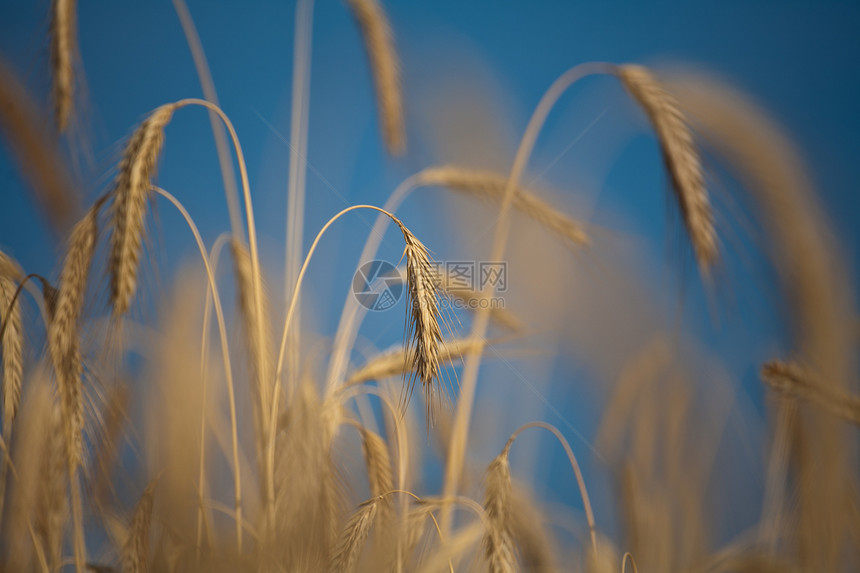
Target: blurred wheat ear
(681,157)
(63,52)
(385,67)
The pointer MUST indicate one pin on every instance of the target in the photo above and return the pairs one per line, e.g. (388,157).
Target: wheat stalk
(498,539)
(681,157)
(491,186)
(379,44)
(131,188)
(63,47)
(135,552)
(63,330)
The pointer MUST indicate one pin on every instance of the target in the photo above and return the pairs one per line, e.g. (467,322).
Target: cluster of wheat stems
(191,488)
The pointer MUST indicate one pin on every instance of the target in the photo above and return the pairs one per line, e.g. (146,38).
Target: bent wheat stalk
(470,181)
(469,380)
(225,356)
(423,326)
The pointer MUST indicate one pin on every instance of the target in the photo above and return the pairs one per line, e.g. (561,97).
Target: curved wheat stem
(225,352)
(469,379)
(214,256)
(580,481)
(424,354)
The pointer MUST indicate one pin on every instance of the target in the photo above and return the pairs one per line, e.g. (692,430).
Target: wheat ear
(36,152)
(490,186)
(681,157)
(796,379)
(498,539)
(51,502)
(354,536)
(395,362)
(63,47)
(12,345)
(131,188)
(258,331)
(379,43)
(63,330)
(423,332)
(135,552)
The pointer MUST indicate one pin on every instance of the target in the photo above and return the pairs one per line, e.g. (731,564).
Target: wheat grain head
(681,157)
(130,191)
(63,330)
(385,67)
(12,346)
(498,540)
(63,48)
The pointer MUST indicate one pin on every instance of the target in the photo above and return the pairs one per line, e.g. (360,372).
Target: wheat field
(189,392)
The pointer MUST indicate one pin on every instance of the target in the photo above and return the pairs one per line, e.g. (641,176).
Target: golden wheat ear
(63,330)
(499,546)
(423,331)
(131,189)
(63,49)
(681,157)
(12,343)
(796,379)
(490,186)
(354,536)
(135,553)
(385,67)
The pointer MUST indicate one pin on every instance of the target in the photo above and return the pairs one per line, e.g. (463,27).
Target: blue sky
(801,60)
